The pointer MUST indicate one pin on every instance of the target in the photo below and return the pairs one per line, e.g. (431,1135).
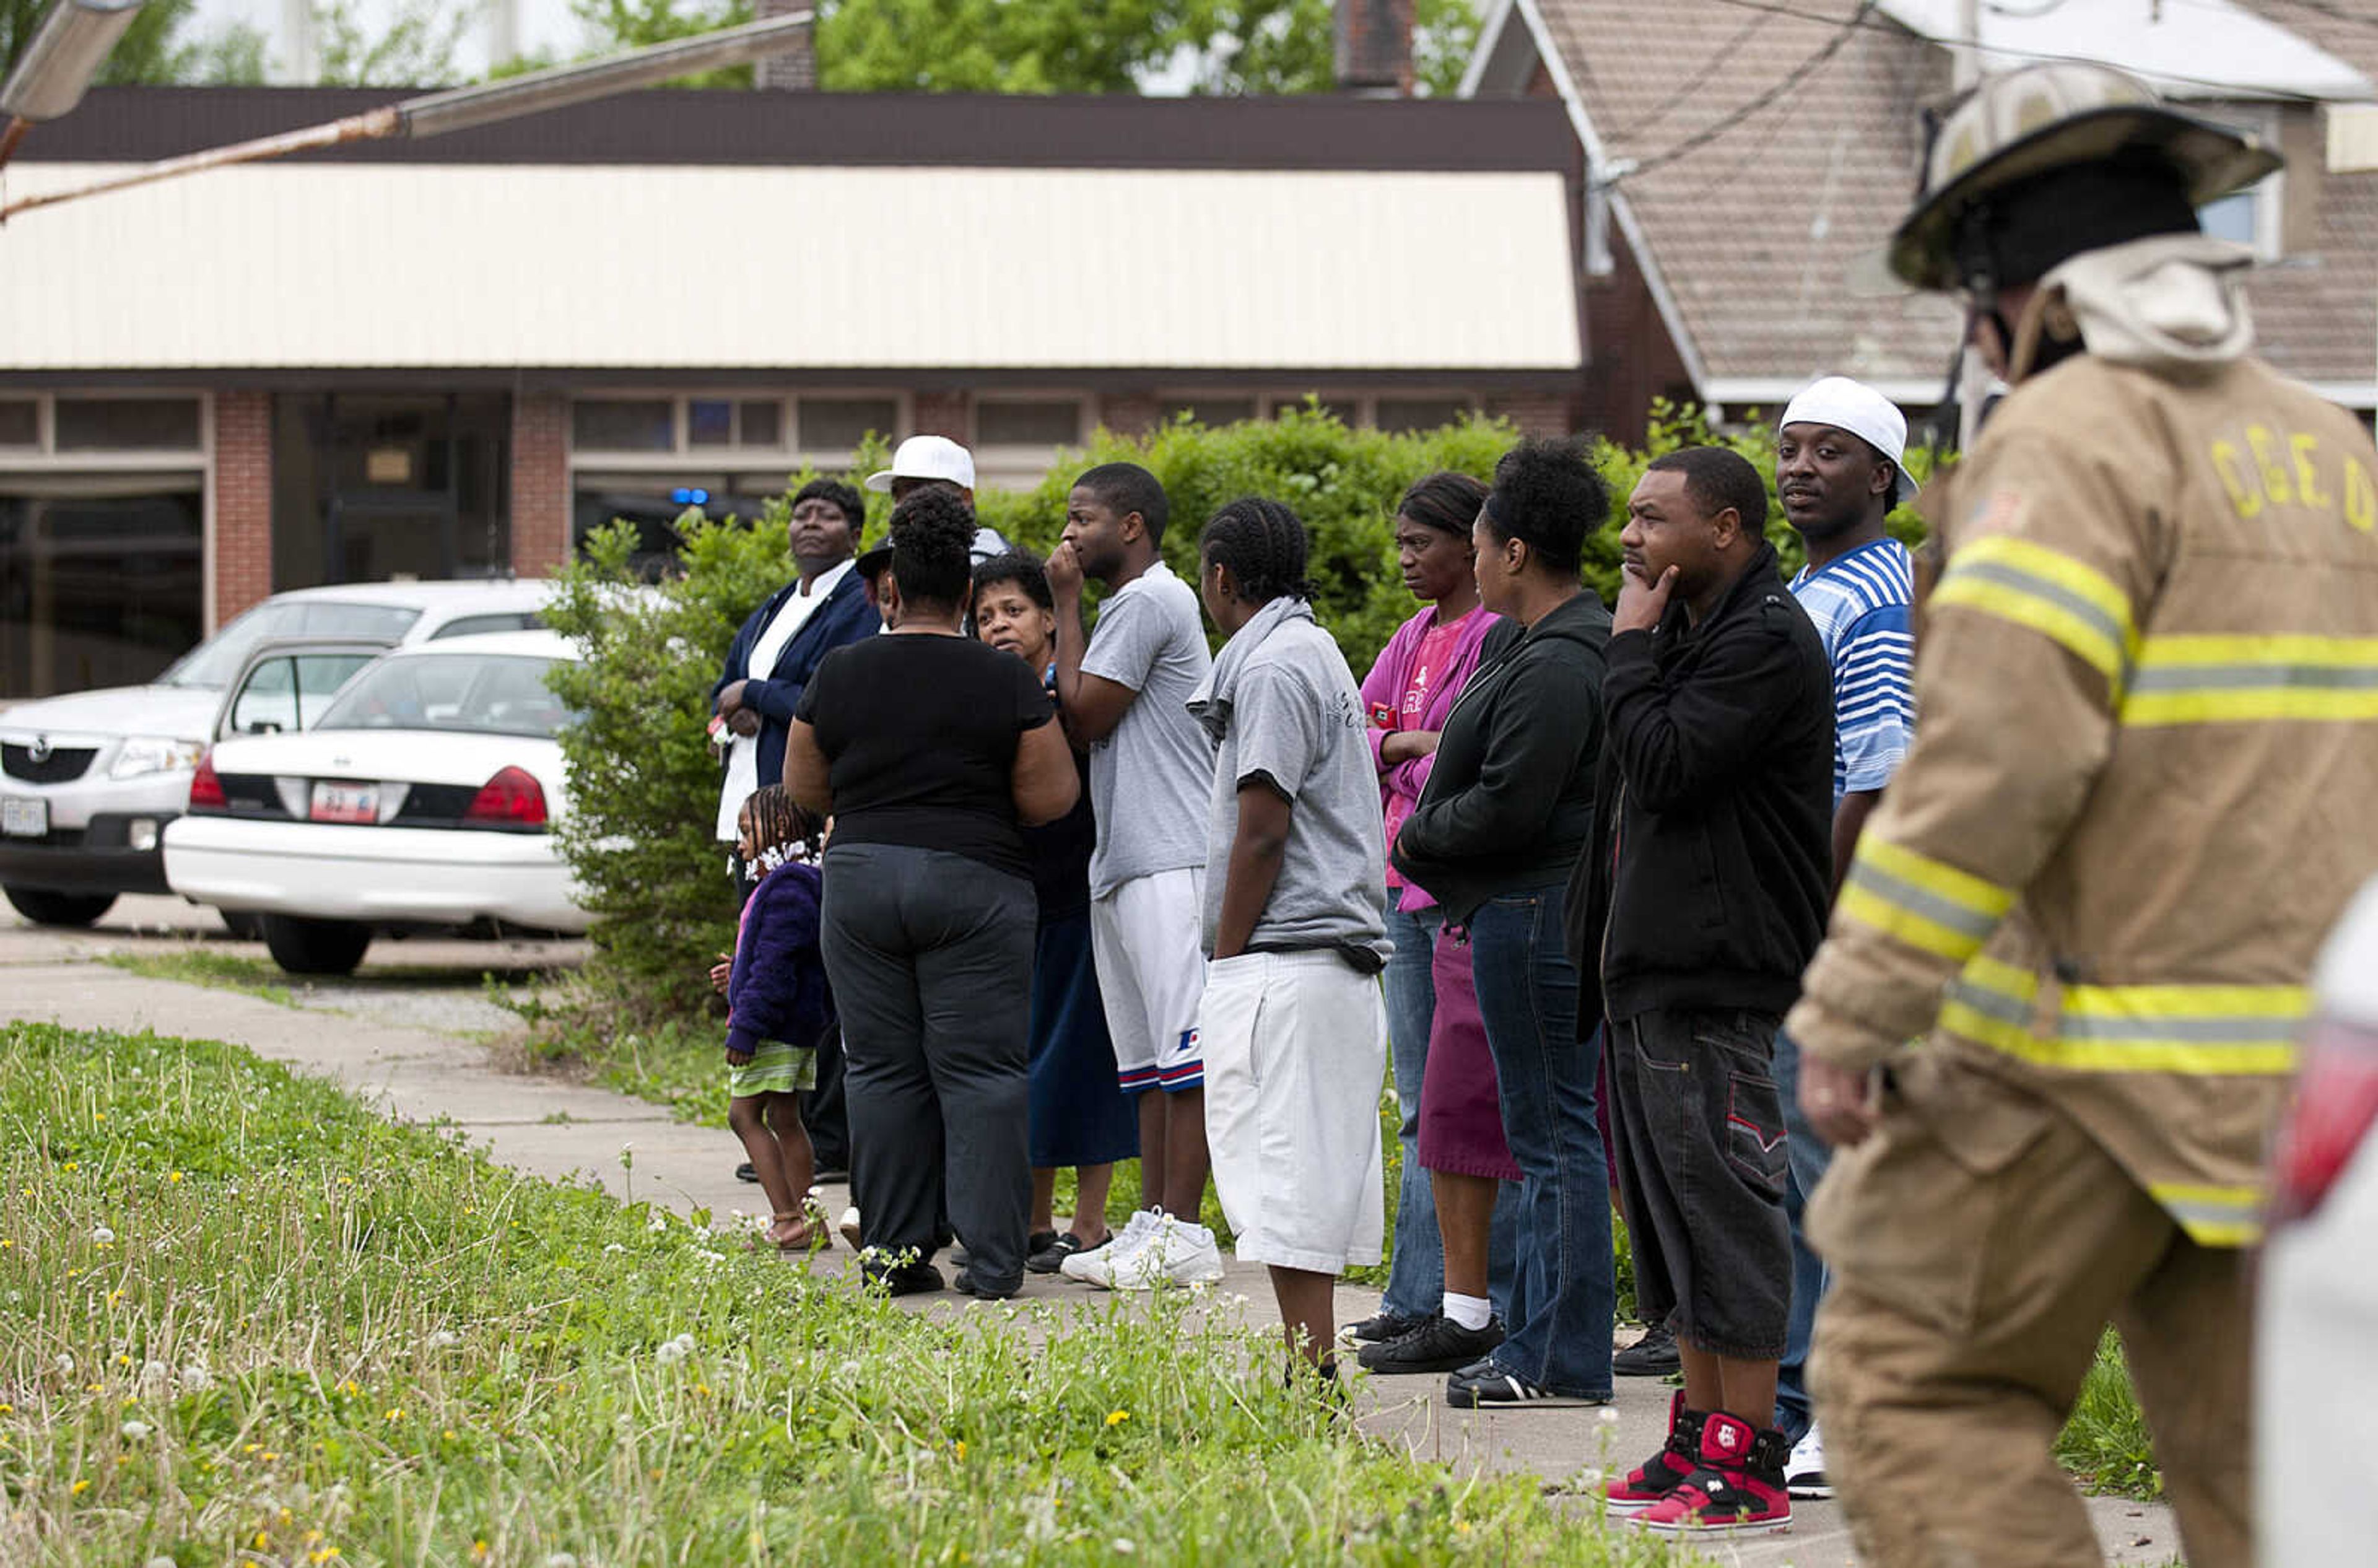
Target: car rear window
(471,626)
(467,693)
(216,661)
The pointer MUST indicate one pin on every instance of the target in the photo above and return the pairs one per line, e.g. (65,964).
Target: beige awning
(422,266)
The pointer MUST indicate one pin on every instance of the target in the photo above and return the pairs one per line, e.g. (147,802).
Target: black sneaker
(1051,1259)
(1485,1386)
(1653,1356)
(830,1171)
(901,1279)
(1380,1328)
(1440,1345)
(967,1285)
(747,1171)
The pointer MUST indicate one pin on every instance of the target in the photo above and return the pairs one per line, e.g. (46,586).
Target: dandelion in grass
(134,1431)
(1117,1418)
(100,1234)
(196,1379)
(674,1351)
(78,1489)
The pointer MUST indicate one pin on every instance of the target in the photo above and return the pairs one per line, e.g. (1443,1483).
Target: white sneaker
(1174,1252)
(850,1226)
(1092,1267)
(1804,1473)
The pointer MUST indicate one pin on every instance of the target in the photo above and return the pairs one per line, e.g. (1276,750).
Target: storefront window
(1027,422)
(102,579)
(710,421)
(618,425)
(369,487)
(1404,414)
(838,424)
(121,425)
(20,422)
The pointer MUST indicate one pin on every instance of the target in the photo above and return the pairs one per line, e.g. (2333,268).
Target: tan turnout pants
(1979,1244)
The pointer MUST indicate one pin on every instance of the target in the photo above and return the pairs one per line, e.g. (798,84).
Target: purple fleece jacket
(1383,696)
(778,989)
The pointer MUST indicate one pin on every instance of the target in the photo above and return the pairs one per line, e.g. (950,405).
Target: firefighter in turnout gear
(2148,726)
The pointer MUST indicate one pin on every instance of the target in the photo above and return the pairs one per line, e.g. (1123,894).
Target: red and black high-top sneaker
(1657,1477)
(1737,1486)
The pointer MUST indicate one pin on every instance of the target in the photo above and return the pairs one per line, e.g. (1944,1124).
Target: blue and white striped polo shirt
(1860,605)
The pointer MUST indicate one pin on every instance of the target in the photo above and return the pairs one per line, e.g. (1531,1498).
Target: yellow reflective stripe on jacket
(2050,593)
(2202,1031)
(1922,902)
(2213,1216)
(2230,679)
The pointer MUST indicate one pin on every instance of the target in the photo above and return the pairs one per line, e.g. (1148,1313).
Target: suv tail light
(206,787)
(512,799)
(2335,1104)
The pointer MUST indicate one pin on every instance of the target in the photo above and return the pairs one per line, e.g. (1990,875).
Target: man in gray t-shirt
(1292,722)
(1150,777)
(1125,695)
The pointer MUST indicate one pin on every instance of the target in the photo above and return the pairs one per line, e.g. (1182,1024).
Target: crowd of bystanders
(1091,891)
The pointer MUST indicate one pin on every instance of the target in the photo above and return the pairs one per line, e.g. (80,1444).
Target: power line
(1860,19)
(1716,62)
(1791,82)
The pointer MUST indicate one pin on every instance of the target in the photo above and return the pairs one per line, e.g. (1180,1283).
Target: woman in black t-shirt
(931,751)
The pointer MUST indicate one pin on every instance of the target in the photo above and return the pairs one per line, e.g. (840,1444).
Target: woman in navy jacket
(824,607)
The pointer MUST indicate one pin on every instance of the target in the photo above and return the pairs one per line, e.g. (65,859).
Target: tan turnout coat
(2145,780)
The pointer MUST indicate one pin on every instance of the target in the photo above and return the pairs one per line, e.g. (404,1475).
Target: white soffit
(675,267)
(2203,49)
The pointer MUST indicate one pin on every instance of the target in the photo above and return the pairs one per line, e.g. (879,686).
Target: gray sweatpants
(930,958)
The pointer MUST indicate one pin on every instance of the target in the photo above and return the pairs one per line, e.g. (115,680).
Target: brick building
(452,358)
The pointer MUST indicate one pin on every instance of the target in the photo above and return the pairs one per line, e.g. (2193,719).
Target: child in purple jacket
(778,1007)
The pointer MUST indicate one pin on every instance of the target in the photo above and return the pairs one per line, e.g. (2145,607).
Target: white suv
(88,782)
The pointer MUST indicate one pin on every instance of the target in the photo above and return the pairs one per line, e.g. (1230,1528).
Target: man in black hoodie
(1704,901)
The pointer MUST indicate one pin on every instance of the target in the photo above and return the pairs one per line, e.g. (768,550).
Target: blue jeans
(1564,1298)
(1416,1273)
(1794,1413)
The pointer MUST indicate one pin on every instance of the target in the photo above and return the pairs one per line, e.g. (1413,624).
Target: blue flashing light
(685,495)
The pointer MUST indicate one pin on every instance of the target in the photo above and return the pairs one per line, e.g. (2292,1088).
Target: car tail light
(512,799)
(206,787)
(2335,1104)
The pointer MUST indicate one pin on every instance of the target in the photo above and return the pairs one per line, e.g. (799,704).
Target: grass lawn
(250,1322)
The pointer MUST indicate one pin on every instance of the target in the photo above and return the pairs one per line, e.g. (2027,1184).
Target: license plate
(24,816)
(345,802)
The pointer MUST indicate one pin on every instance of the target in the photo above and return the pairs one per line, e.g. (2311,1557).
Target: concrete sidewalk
(556,1129)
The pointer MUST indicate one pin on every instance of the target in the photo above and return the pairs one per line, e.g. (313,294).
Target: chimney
(1373,47)
(796,69)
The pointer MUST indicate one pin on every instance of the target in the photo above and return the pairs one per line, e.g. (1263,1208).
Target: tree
(158,48)
(415,49)
(1203,46)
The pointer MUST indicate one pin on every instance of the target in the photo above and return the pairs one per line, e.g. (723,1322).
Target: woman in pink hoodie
(1406,697)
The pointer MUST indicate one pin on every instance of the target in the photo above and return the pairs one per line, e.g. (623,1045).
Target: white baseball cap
(1857,408)
(927,457)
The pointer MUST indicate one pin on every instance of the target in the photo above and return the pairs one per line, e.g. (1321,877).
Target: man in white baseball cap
(921,461)
(925,459)
(1839,451)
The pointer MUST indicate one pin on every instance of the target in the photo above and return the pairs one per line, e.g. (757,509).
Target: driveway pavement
(402,1040)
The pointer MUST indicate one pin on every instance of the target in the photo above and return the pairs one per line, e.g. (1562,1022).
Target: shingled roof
(1764,148)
